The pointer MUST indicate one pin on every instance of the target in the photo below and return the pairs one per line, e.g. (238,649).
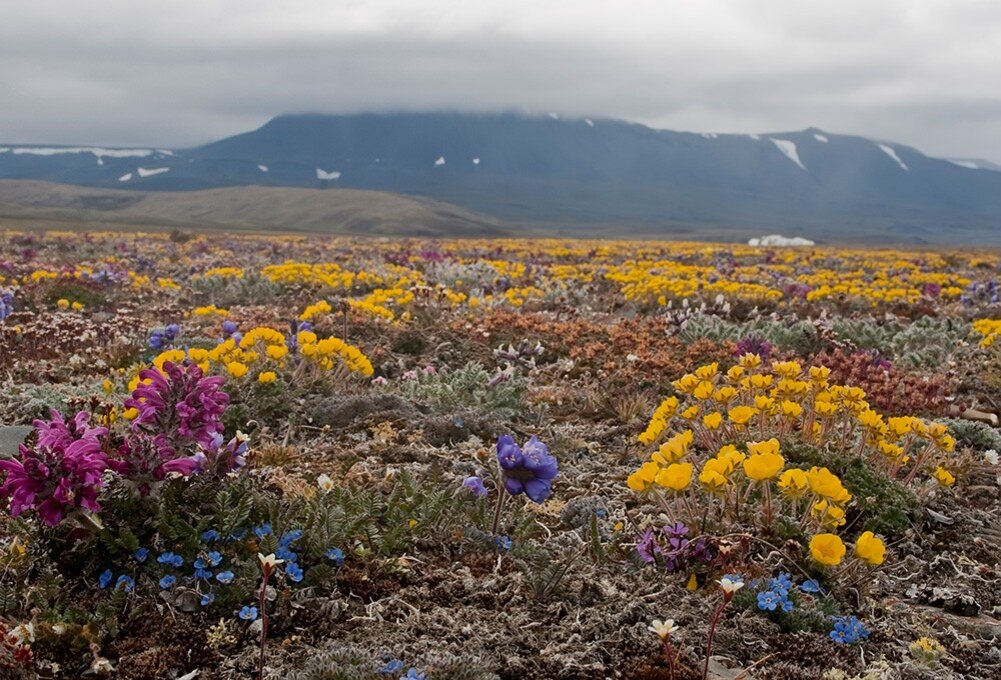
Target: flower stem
(501,495)
(264,619)
(712,634)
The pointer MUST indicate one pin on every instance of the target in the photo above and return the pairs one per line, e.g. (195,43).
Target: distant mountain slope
(577,174)
(341,211)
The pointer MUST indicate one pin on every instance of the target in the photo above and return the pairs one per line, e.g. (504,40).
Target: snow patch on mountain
(820,138)
(126,177)
(262,168)
(149,172)
(893,154)
(325,175)
(440,161)
(97,151)
(789,149)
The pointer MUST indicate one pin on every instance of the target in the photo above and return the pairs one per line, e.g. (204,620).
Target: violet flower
(530,470)
(61,474)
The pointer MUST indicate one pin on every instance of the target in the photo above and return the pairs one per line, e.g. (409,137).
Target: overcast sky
(182,72)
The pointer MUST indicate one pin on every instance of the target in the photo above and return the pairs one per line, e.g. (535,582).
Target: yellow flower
(63,303)
(830,515)
(77,306)
(749,360)
(741,415)
(711,478)
(827,549)
(674,449)
(944,477)
(713,420)
(267,377)
(870,549)
(769,446)
(130,413)
(691,412)
(643,479)
(791,409)
(762,466)
(825,483)
(793,482)
(676,476)
(236,369)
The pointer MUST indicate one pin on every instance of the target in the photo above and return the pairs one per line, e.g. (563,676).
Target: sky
(177,73)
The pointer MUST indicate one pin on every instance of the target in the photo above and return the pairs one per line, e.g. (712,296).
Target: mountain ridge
(575,174)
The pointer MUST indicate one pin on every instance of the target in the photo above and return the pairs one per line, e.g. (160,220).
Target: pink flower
(61,474)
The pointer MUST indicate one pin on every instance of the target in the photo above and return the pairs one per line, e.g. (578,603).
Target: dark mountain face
(598,174)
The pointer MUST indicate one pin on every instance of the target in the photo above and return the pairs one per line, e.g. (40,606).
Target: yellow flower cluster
(326,353)
(989,328)
(268,346)
(738,418)
(223,273)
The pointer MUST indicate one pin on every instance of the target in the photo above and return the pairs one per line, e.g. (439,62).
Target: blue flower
(200,563)
(414,674)
(262,531)
(293,571)
(503,542)
(168,582)
(530,470)
(140,555)
(238,534)
(104,580)
(291,537)
(286,554)
(248,613)
(214,558)
(207,599)
(171,331)
(392,667)
(229,327)
(475,486)
(848,630)
(171,559)
(811,586)
(335,555)
(782,583)
(210,535)
(126,582)
(767,600)
(203,574)
(224,577)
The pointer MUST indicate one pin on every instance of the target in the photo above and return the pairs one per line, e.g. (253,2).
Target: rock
(10,437)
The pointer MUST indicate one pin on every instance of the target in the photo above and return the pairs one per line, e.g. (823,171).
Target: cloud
(179,73)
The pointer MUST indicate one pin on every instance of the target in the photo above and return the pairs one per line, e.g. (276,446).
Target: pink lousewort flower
(179,406)
(61,473)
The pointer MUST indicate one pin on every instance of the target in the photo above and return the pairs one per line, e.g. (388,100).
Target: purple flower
(475,486)
(648,548)
(61,474)
(530,470)
(754,345)
(179,404)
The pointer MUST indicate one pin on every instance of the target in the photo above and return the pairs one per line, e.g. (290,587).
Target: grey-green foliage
(228,291)
(799,336)
(925,343)
(468,387)
(978,436)
(20,403)
(352,663)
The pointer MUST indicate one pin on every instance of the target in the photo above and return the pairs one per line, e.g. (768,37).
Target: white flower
(991,457)
(730,584)
(269,560)
(662,629)
(325,483)
(101,666)
(23,634)
(631,358)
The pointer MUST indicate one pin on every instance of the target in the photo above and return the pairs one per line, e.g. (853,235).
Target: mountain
(593,176)
(340,211)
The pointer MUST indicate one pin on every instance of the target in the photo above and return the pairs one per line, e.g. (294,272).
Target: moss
(885,506)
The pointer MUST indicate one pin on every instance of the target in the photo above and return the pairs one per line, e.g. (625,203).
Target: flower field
(322,458)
